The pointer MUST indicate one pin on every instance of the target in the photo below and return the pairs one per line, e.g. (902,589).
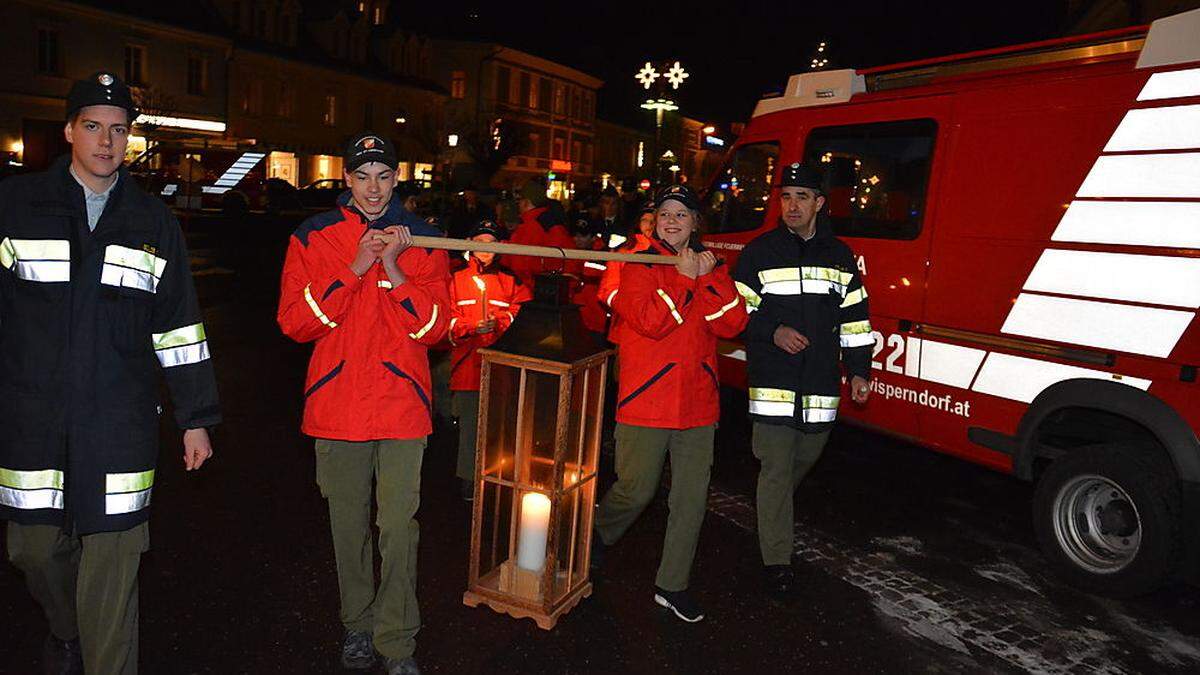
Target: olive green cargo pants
(786,456)
(466,408)
(346,472)
(88,588)
(641,452)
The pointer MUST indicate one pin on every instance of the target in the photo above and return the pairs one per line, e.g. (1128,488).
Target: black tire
(1135,489)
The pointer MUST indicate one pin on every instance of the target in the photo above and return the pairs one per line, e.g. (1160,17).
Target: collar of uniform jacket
(395,214)
(824,228)
(75,193)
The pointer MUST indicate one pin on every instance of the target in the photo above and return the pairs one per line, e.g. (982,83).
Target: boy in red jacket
(372,303)
(668,398)
(485,297)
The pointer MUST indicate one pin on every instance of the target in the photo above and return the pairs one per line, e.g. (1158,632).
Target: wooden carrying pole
(447,244)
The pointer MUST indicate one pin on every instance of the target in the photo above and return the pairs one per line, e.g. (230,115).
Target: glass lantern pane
(500,434)
(538,429)
(495,532)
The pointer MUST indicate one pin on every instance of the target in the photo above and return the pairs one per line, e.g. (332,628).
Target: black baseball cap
(488,227)
(680,193)
(802,175)
(101,88)
(369,147)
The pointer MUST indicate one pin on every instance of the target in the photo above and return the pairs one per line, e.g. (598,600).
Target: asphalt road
(911,562)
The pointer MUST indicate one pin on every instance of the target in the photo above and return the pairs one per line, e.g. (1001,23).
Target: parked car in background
(194,178)
(321,194)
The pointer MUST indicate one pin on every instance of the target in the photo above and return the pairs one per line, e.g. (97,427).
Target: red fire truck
(1027,223)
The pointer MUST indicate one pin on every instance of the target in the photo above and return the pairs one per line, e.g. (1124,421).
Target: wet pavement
(911,562)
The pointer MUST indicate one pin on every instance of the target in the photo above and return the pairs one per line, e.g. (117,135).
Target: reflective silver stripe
(126,503)
(427,327)
(861,340)
(615,240)
(384,283)
(45,271)
(595,265)
(797,286)
(610,298)
(135,481)
(113,275)
(467,302)
(818,415)
(143,261)
(773,408)
(186,335)
(856,334)
(312,304)
(854,297)
(31,499)
(671,306)
(182,356)
(753,300)
(499,303)
(721,312)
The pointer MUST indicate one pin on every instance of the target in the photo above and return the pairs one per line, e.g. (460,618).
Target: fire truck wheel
(1108,519)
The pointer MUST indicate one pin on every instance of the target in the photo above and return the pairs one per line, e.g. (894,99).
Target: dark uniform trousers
(786,455)
(346,471)
(466,408)
(87,585)
(641,452)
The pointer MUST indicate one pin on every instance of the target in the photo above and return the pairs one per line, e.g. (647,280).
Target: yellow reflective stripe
(116,483)
(769,394)
(752,299)
(34,249)
(188,335)
(610,298)
(855,297)
(427,327)
(779,274)
(823,402)
(670,305)
(139,260)
(856,327)
(721,312)
(31,480)
(384,283)
(317,308)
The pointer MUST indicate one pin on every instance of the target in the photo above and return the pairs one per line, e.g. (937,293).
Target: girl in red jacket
(485,297)
(668,395)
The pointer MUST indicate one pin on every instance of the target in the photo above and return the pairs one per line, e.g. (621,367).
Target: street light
(672,73)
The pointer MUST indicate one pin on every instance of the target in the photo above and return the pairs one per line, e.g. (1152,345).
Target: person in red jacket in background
(669,395)
(638,240)
(541,225)
(589,272)
(354,285)
(485,297)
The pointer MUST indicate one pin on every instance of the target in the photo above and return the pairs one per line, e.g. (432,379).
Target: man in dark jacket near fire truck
(96,297)
(808,312)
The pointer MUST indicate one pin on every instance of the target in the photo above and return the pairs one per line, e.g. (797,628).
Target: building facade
(514,116)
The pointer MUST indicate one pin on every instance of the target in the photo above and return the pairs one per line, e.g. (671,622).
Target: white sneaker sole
(663,602)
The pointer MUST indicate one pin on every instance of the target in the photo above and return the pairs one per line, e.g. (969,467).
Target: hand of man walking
(197,448)
(790,340)
(369,249)
(398,241)
(859,390)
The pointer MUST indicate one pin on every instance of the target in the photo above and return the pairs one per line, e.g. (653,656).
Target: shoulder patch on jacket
(317,223)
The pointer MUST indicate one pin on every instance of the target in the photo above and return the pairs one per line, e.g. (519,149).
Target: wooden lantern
(541,404)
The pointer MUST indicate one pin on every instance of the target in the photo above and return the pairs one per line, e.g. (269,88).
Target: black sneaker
(679,602)
(406,666)
(780,580)
(358,650)
(62,657)
(467,489)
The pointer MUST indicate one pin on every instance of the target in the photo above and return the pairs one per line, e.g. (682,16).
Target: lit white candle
(531,537)
(479,283)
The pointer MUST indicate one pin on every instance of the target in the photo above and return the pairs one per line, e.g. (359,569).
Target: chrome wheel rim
(1097,524)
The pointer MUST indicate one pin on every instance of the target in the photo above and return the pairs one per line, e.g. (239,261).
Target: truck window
(876,176)
(737,201)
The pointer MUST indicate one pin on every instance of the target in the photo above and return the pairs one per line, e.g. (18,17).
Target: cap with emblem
(647,207)
(369,147)
(802,175)
(488,227)
(583,226)
(100,88)
(680,193)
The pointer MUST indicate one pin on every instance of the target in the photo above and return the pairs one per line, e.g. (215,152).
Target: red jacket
(610,281)
(368,377)
(668,352)
(505,293)
(537,230)
(587,292)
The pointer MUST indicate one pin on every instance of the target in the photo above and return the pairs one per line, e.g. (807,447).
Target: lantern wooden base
(522,611)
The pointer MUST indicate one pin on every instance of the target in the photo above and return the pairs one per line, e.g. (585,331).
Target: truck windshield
(737,201)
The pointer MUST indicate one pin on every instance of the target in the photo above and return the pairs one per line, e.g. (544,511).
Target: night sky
(734,51)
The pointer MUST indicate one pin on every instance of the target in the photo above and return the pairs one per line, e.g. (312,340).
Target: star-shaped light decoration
(647,75)
(676,75)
